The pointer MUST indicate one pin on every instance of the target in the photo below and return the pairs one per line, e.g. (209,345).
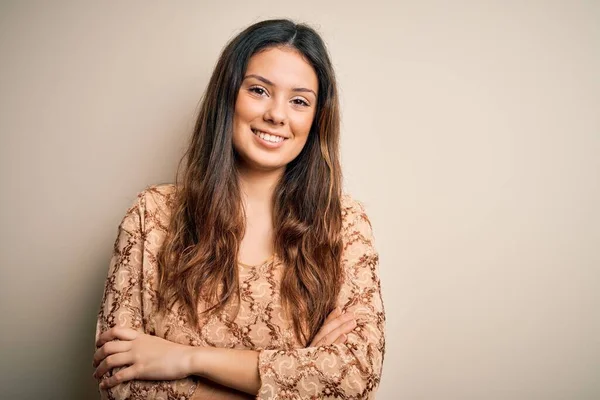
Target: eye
(258,90)
(300,102)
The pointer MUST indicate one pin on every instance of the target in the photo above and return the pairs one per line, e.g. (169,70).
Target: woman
(254,275)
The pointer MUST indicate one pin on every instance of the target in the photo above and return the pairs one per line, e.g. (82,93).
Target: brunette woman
(253,275)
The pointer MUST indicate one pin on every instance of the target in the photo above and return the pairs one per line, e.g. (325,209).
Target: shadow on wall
(84,386)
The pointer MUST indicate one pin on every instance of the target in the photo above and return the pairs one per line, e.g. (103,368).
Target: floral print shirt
(288,369)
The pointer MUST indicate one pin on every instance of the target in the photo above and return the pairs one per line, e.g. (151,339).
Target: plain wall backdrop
(471,132)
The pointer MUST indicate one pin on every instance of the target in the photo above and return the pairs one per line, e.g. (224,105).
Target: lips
(269,137)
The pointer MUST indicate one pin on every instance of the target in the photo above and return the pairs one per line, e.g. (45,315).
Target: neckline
(257,265)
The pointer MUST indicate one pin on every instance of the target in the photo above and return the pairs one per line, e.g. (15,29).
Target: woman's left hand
(146,357)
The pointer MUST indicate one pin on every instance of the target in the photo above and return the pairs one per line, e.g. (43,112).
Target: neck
(258,186)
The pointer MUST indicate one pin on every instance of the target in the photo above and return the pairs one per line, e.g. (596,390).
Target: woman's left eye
(258,90)
(300,102)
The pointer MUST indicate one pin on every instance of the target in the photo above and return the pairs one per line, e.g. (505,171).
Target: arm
(123,306)
(234,368)
(238,369)
(131,362)
(333,369)
(350,370)
(151,357)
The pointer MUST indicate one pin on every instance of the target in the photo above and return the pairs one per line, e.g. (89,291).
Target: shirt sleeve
(351,370)
(126,303)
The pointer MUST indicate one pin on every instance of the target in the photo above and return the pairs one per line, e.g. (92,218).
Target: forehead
(285,67)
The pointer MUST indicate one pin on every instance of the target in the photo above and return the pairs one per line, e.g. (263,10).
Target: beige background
(471,131)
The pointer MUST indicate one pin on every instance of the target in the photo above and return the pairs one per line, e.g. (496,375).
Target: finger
(343,329)
(123,375)
(116,333)
(113,361)
(112,347)
(341,339)
(333,315)
(334,324)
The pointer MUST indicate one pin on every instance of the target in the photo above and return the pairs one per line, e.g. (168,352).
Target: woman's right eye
(258,90)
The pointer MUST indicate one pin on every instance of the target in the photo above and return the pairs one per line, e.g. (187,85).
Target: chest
(257,243)
(259,323)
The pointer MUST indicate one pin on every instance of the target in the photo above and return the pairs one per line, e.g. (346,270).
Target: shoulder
(353,211)
(159,197)
(153,204)
(360,255)
(355,221)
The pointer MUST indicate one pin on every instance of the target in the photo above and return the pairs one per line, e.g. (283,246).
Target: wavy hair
(198,259)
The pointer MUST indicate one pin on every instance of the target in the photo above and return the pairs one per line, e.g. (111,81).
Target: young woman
(253,275)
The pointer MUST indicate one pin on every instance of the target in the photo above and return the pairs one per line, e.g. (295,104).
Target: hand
(335,328)
(147,357)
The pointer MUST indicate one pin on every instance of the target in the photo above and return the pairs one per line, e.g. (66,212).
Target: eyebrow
(268,82)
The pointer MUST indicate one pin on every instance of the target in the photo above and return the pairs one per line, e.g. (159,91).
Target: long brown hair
(198,260)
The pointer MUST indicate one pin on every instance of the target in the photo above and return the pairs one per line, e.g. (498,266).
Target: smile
(267,137)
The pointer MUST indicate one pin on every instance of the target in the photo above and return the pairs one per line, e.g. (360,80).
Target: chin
(263,165)
(258,162)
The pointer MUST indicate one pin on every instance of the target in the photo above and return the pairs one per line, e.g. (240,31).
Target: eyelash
(256,89)
(302,102)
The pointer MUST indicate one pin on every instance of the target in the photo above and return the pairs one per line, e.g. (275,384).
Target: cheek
(301,125)
(243,114)
(246,110)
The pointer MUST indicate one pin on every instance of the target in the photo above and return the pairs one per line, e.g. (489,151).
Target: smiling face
(274,109)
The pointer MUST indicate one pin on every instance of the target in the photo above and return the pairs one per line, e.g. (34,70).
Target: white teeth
(267,137)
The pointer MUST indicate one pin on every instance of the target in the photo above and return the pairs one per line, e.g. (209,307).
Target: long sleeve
(126,303)
(351,370)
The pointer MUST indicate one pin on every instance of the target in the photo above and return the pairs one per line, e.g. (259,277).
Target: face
(274,109)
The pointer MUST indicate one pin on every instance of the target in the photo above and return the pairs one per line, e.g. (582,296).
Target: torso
(257,245)
(260,323)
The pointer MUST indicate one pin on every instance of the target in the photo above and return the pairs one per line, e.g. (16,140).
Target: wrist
(196,360)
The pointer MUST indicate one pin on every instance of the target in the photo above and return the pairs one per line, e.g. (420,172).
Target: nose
(276,112)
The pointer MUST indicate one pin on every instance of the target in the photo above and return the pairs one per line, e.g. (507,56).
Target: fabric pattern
(288,369)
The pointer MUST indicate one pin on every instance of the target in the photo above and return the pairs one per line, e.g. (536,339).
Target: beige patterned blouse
(288,369)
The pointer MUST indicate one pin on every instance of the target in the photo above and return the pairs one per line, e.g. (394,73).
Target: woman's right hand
(335,328)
